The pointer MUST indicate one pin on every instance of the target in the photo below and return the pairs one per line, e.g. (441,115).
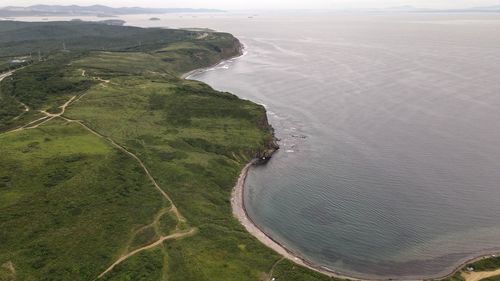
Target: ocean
(389,164)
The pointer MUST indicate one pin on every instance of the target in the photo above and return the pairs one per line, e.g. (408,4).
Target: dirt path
(178,235)
(49,116)
(146,170)
(476,276)
(95,78)
(26,108)
(40,121)
(156,219)
(6,74)
(62,107)
(271,272)
(27,126)
(173,208)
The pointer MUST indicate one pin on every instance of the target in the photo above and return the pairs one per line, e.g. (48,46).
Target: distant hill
(95,10)
(495,8)
(486,9)
(21,38)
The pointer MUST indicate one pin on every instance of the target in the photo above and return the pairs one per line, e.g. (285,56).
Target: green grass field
(69,202)
(486,264)
(73,197)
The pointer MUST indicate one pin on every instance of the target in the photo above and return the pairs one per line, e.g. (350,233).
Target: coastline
(238,204)
(241,52)
(240,212)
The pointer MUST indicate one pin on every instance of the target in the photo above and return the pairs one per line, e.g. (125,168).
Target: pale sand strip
(239,211)
(476,276)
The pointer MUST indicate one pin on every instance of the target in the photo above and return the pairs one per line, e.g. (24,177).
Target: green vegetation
(43,85)
(486,264)
(287,270)
(73,197)
(195,141)
(494,278)
(144,266)
(67,196)
(456,277)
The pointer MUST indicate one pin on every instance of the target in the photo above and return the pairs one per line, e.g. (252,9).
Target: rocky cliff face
(270,145)
(234,49)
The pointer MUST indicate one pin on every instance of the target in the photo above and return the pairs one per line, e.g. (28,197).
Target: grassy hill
(121,170)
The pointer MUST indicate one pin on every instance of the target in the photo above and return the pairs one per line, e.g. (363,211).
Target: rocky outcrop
(264,156)
(271,144)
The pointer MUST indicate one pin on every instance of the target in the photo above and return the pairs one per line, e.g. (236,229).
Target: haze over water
(390,159)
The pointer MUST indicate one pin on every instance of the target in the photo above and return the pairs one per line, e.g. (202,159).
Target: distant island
(95,10)
(413,9)
(154,19)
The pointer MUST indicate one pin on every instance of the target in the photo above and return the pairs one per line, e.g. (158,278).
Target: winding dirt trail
(156,220)
(40,121)
(26,108)
(146,170)
(173,208)
(62,107)
(49,116)
(178,235)
(6,74)
(476,276)
(94,77)
(271,272)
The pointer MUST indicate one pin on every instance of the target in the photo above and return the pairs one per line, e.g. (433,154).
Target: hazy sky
(265,4)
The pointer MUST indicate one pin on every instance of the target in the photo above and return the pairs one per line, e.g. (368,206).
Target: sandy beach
(239,211)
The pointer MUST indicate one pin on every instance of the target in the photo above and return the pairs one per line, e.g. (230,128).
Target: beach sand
(239,211)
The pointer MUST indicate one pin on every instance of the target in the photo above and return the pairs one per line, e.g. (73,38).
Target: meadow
(127,160)
(131,178)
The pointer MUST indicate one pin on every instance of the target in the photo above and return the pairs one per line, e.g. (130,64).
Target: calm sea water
(390,135)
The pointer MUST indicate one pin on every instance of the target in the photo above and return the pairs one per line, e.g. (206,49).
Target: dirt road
(476,276)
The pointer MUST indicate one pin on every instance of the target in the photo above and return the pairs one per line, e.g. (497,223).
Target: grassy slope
(195,141)
(487,264)
(70,203)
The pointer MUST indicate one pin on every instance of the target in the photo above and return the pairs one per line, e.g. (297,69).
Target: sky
(264,4)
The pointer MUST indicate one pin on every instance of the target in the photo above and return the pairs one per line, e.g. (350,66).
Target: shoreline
(241,52)
(240,213)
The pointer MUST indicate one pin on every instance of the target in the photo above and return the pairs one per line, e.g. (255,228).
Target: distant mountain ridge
(60,10)
(495,8)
